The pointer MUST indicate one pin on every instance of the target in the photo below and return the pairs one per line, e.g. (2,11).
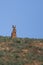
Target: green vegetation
(20,51)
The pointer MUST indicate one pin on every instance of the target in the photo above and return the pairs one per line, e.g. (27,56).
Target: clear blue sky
(27,15)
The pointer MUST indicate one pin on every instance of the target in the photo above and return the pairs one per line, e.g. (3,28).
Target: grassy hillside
(21,51)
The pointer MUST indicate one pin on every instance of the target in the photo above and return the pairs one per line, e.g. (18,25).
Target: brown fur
(13,34)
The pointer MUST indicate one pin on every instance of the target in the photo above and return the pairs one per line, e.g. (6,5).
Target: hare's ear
(15,26)
(12,26)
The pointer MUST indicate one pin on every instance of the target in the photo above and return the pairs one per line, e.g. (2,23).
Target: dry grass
(21,51)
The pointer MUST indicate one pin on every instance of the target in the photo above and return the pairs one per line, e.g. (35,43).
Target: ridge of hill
(21,51)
